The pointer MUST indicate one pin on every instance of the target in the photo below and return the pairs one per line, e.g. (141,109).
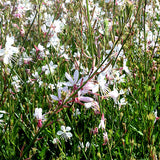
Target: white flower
(24,59)
(16,83)
(56,98)
(114,94)
(35,75)
(77,112)
(83,98)
(1,115)
(39,116)
(125,68)
(105,138)
(81,144)
(122,102)
(102,82)
(72,81)
(7,53)
(65,132)
(119,78)
(40,47)
(38,113)
(56,141)
(156,117)
(54,41)
(93,104)
(59,97)
(49,68)
(102,124)
(57,25)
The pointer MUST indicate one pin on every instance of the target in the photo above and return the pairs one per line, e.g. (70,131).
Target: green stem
(129,32)
(24,40)
(90,31)
(145,40)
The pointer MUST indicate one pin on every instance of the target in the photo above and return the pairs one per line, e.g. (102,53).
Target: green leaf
(135,129)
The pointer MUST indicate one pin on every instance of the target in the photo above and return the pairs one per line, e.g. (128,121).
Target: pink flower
(94,131)
(102,125)
(83,98)
(38,115)
(39,123)
(94,105)
(156,117)
(73,81)
(105,138)
(114,95)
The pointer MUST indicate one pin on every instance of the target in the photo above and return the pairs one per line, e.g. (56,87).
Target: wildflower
(35,75)
(24,59)
(87,146)
(72,82)
(114,94)
(77,112)
(59,99)
(38,115)
(102,125)
(81,144)
(16,83)
(122,102)
(94,131)
(49,68)
(94,105)
(22,31)
(54,41)
(102,82)
(156,117)
(1,115)
(65,132)
(89,86)
(125,68)
(105,138)
(83,98)
(7,53)
(119,78)
(56,141)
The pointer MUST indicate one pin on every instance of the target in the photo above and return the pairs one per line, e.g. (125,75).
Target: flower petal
(54,97)
(59,94)
(59,133)
(88,105)
(68,128)
(76,76)
(69,78)
(63,128)
(69,134)
(86,99)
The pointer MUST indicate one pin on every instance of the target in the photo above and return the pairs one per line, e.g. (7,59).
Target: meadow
(80,79)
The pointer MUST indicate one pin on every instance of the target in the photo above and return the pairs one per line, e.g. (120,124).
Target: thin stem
(129,32)
(145,42)
(24,40)
(90,31)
